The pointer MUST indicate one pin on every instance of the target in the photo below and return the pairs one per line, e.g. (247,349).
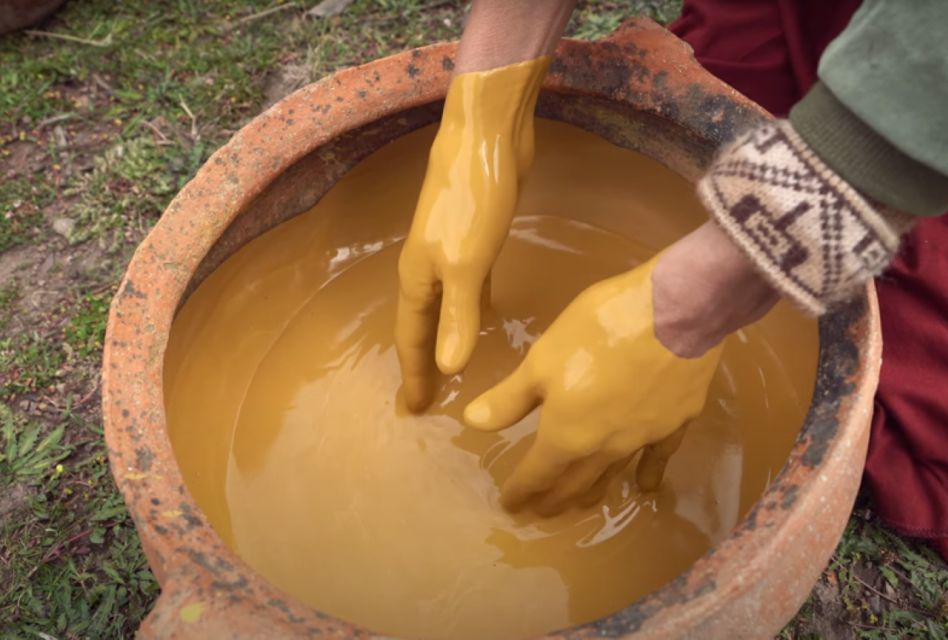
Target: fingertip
(651,468)
(512,502)
(496,409)
(649,483)
(416,394)
(458,327)
(418,387)
(594,496)
(550,507)
(453,352)
(503,405)
(477,414)
(650,471)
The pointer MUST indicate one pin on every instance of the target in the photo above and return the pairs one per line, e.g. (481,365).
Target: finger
(460,323)
(505,404)
(651,467)
(415,330)
(536,473)
(598,491)
(486,293)
(575,482)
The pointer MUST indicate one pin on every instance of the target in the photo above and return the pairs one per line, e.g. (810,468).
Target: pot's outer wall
(641,89)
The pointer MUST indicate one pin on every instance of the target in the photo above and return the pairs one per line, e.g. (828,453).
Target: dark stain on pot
(230,585)
(279,604)
(143,458)
(631,619)
(789,496)
(613,72)
(412,70)
(839,362)
(131,291)
(750,521)
(723,119)
(192,520)
(664,99)
(133,432)
(218,567)
(447,64)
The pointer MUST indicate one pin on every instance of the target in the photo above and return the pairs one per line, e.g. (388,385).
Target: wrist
(500,33)
(496,105)
(497,96)
(814,237)
(704,288)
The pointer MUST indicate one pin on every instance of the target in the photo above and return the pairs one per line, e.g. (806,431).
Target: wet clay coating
(607,386)
(483,149)
(281,383)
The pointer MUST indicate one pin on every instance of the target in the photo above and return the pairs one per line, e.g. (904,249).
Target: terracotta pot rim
(140,454)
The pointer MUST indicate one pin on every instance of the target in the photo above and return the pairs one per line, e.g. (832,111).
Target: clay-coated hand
(483,148)
(608,388)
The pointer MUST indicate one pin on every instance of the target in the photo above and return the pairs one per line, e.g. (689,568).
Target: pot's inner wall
(193,438)
(302,185)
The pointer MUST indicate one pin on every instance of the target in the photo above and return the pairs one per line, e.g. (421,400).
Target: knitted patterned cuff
(811,234)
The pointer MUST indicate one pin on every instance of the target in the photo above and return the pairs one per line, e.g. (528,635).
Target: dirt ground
(106,110)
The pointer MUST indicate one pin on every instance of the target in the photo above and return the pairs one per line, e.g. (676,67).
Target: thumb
(505,404)
(460,323)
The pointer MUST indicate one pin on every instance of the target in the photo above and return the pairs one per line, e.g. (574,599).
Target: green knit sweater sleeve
(879,116)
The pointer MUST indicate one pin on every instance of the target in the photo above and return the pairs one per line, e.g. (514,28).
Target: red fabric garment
(769,50)
(766,49)
(907,468)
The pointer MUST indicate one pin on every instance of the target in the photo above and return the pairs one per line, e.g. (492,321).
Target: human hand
(625,366)
(483,148)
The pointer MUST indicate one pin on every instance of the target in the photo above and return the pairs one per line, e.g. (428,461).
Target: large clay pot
(641,89)
(16,14)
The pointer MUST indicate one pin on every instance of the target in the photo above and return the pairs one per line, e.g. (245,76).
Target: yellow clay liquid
(281,382)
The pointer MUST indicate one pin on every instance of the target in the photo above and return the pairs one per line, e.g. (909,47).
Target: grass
(100,125)
(9,296)
(28,363)
(85,332)
(878,586)
(72,566)
(21,204)
(129,185)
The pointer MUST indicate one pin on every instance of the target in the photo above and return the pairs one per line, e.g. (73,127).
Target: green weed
(595,19)
(73,567)
(85,332)
(129,185)
(25,454)
(881,586)
(9,295)
(28,363)
(22,200)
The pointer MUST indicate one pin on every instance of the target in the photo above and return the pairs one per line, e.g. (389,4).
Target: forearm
(500,32)
(815,206)
(705,288)
(878,117)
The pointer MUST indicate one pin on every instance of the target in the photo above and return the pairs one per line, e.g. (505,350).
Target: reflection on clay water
(282,407)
